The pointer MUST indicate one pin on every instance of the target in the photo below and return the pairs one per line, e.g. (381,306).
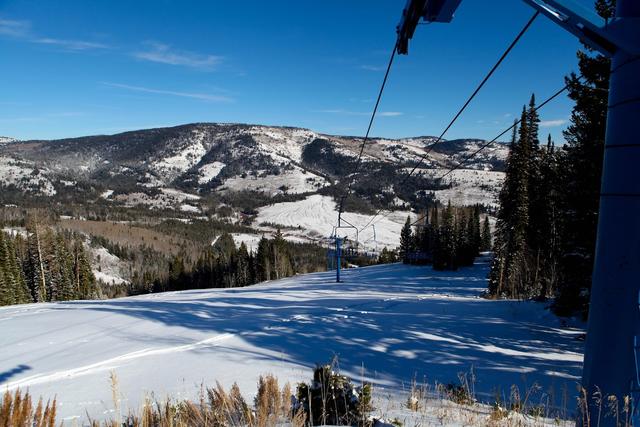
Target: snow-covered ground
(210,171)
(317,215)
(25,176)
(107,267)
(167,198)
(469,186)
(250,240)
(293,181)
(398,322)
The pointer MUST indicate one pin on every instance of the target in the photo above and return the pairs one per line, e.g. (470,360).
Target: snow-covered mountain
(6,140)
(203,158)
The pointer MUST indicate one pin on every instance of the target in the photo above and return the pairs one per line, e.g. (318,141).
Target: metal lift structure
(614,319)
(340,246)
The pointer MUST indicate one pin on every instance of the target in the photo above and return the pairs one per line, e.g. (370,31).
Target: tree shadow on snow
(398,322)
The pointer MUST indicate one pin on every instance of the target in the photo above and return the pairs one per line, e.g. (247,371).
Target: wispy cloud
(71,44)
(372,68)
(193,95)
(164,54)
(22,30)
(359,113)
(552,123)
(14,28)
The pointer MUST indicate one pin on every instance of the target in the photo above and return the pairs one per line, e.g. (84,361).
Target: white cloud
(163,54)
(193,95)
(14,28)
(552,123)
(359,113)
(70,44)
(22,30)
(372,68)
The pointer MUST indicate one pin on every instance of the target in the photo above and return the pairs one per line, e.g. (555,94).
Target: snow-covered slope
(25,176)
(6,140)
(398,322)
(316,216)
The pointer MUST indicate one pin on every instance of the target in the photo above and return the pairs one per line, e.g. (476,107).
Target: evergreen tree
(444,253)
(244,266)
(263,260)
(406,241)
(486,243)
(508,274)
(580,171)
(282,266)
(84,280)
(36,274)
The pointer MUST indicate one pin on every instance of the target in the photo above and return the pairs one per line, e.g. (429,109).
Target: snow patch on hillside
(250,240)
(283,142)
(25,176)
(294,181)
(210,171)
(6,140)
(317,215)
(167,198)
(107,267)
(469,187)
(187,156)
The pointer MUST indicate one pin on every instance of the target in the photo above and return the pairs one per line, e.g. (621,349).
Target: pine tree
(35,263)
(486,243)
(405,241)
(474,230)
(282,266)
(6,279)
(580,171)
(244,266)
(509,270)
(444,255)
(263,260)
(84,280)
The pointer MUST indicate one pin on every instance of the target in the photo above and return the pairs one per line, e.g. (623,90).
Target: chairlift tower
(339,240)
(614,320)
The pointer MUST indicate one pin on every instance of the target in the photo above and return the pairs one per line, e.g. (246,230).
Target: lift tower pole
(614,319)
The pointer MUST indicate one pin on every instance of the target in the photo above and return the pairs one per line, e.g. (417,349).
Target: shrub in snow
(332,399)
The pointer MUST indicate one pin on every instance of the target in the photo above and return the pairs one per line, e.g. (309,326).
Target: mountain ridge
(207,159)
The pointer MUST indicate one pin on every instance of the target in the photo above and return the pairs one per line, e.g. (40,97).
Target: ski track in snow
(399,322)
(113,362)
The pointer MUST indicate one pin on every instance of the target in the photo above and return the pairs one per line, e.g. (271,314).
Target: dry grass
(273,407)
(215,408)
(17,411)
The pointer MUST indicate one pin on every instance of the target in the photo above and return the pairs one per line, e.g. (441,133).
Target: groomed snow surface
(398,322)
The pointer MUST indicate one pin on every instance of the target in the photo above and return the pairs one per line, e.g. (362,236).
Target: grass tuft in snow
(17,411)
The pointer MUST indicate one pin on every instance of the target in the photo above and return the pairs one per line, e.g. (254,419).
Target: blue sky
(79,67)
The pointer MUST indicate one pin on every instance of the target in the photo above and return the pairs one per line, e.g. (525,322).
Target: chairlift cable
(485,145)
(466,104)
(366,137)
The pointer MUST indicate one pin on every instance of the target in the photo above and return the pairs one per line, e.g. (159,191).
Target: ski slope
(398,322)
(316,216)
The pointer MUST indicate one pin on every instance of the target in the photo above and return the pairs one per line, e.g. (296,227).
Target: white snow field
(398,322)
(316,215)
